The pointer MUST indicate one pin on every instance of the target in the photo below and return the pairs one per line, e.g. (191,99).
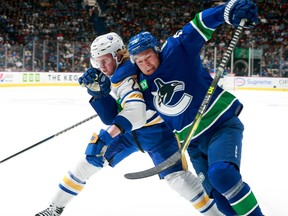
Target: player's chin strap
(115,56)
(176,157)
(50,137)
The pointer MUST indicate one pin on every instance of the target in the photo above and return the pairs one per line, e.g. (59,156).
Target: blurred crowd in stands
(54,35)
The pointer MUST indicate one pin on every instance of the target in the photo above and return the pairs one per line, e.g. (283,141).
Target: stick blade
(172,160)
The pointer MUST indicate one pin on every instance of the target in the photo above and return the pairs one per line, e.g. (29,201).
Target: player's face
(147,61)
(107,64)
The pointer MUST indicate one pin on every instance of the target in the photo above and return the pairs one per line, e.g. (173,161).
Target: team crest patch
(144,85)
(94,138)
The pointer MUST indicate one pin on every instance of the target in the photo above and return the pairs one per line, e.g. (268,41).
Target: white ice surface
(28,181)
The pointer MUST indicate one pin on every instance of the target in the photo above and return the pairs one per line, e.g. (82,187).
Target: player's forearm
(114,131)
(106,108)
(213,17)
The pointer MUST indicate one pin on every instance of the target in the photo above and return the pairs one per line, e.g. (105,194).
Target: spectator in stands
(23,21)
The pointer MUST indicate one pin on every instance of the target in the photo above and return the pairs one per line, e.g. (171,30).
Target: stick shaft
(50,137)
(212,87)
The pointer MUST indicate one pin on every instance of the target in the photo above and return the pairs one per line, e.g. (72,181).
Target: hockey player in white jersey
(174,82)
(133,128)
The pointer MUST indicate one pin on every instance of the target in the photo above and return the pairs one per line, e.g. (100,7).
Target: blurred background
(55,36)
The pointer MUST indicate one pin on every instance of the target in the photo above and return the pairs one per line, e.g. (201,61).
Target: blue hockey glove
(235,10)
(97,161)
(97,148)
(96,82)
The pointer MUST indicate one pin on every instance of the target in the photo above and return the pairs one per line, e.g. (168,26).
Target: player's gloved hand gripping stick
(176,157)
(97,147)
(96,82)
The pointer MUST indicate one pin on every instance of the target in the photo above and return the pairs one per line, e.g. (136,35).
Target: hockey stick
(176,157)
(48,138)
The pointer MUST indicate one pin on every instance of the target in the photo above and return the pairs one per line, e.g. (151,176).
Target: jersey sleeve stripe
(115,85)
(136,97)
(203,30)
(132,101)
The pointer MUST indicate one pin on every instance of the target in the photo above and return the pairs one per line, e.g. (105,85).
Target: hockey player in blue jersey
(150,135)
(174,83)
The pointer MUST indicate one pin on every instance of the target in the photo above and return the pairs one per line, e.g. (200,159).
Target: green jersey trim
(215,111)
(198,24)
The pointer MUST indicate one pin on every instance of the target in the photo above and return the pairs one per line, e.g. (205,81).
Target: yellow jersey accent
(157,120)
(202,202)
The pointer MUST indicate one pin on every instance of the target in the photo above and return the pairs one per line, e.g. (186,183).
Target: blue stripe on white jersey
(131,96)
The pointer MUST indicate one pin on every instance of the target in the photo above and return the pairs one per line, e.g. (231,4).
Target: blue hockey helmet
(142,42)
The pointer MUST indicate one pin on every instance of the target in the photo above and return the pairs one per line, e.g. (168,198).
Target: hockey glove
(97,148)
(96,82)
(235,10)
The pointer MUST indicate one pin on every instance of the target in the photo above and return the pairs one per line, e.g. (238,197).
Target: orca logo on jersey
(164,95)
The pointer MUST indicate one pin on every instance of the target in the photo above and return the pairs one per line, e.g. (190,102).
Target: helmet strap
(115,56)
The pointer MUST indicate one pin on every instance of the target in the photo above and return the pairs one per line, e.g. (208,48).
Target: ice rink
(28,181)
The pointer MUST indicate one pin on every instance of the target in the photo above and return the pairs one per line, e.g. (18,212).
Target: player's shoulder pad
(167,48)
(125,70)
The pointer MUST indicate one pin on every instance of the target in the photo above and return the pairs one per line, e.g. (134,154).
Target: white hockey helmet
(104,44)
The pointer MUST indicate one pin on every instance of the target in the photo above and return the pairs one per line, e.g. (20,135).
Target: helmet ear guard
(141,42)
(104,44)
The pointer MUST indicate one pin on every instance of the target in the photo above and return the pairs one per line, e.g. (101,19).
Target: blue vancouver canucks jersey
(178,86)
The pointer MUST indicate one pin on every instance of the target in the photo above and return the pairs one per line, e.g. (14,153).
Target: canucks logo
(163,97)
